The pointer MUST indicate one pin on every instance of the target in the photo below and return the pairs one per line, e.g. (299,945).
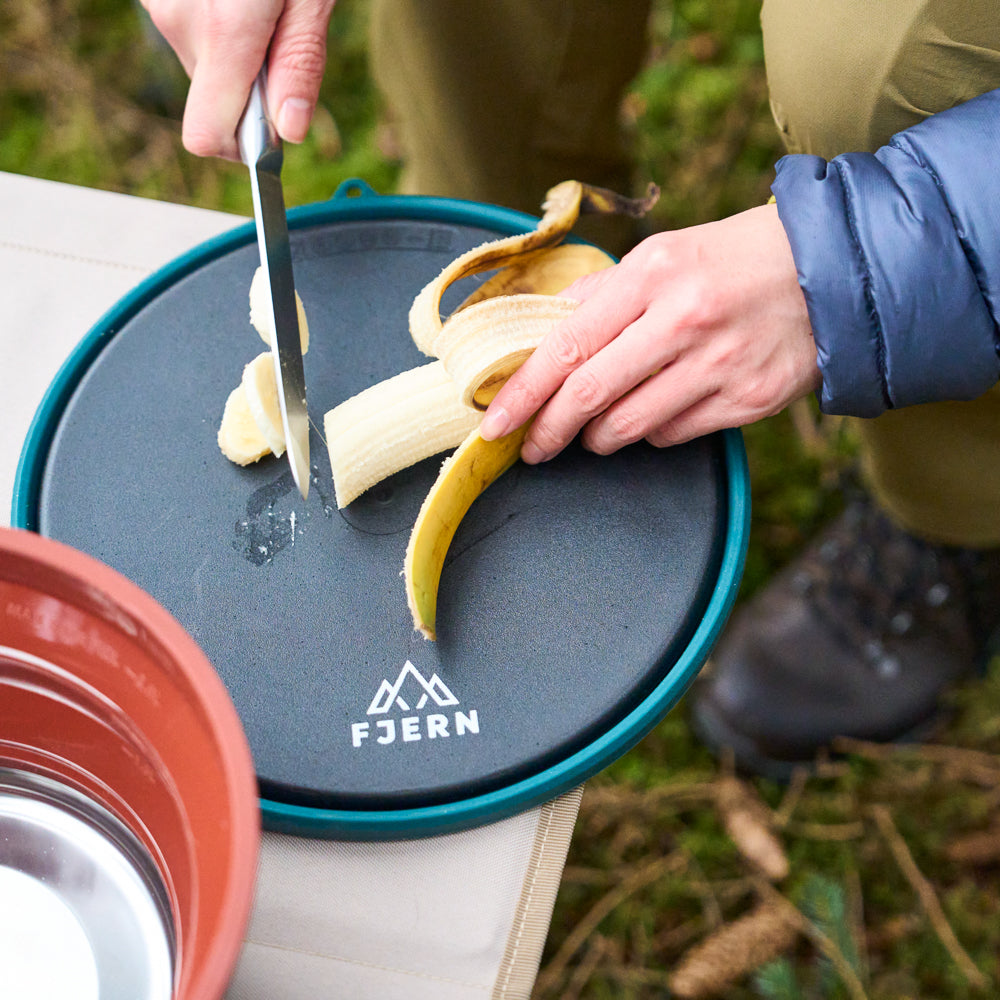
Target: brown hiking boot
(859,636)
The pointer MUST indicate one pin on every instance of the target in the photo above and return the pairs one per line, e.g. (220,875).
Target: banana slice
(393,425)
(261,389)
(474,466)
(239,439)
(260,313)
(251,421)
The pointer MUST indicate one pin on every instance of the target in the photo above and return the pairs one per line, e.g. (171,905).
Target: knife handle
(257,137)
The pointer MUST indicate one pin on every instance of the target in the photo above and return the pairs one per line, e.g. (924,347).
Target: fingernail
(494,424)
(293,119)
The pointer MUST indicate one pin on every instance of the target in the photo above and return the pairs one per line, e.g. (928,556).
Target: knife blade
(261,150)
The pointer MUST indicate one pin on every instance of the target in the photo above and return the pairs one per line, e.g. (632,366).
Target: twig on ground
(584,875)
(979,848)
(826,831)
(927,896)
(974,765)
(629,834)
(675,938)
(791,798)
(641,877)
(705,890)
(630,975)
(644,800)
(596,950)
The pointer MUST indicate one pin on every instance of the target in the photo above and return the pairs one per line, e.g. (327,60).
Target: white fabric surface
(458,917)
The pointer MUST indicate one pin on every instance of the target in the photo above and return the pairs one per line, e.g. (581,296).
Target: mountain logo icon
(416,686)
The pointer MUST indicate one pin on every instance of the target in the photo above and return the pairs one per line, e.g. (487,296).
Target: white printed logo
(388,693)
(420,690)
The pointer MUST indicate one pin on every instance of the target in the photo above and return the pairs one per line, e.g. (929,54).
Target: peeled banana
(484,344)
(481,344)
(392,425)
(260,385)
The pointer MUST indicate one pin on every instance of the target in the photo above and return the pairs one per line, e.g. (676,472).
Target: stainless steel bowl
(83,912)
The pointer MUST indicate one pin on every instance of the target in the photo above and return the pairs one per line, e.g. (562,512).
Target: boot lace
(875,583)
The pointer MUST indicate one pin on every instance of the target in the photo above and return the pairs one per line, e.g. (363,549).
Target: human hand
(693,331)
(222,45)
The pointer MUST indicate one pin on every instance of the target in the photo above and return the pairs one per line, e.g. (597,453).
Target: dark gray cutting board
(568,593)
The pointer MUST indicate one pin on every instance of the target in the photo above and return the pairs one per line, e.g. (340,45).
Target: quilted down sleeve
(898,254)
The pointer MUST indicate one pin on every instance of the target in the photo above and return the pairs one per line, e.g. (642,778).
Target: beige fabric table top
(447,918)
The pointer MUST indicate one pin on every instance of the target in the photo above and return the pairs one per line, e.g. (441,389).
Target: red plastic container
(103,694)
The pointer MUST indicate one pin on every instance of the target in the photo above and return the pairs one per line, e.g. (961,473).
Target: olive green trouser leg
(498,100)
(845,75)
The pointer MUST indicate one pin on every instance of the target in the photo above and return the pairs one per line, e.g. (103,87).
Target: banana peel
(563,205)
(543,272)
(509,325)
(475,465)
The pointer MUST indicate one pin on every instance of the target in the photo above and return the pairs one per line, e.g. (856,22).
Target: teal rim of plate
(355,200)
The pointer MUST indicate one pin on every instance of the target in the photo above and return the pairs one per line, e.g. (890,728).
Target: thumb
(296,63)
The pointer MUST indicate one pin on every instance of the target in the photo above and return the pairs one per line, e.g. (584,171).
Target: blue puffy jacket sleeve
(898,254)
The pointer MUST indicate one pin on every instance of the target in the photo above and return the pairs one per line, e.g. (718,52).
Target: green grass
(86,97)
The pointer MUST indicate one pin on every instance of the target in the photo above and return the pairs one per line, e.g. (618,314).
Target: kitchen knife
(260,148)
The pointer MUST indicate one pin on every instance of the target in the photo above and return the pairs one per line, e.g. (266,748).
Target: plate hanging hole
(354,188)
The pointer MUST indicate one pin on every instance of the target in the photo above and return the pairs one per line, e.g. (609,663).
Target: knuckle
(665,436)
(625,424)
(200,140)
(304,53)
(587,390)
(695,307)
(662,256)
(219,20)
(566,352)
(756,397)
(676,430)
(546,436)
